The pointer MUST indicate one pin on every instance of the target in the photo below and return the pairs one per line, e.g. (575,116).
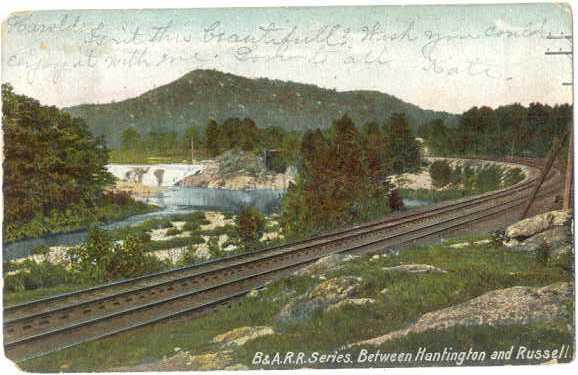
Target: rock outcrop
(537,224)
(329,263)
(548,235)
(240,336)
(327,293)
(185,361)
(415,268)
(351,302)
(516,305)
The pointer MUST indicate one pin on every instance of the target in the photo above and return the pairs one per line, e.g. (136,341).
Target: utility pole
(554,151)
(568,180)
(192,149)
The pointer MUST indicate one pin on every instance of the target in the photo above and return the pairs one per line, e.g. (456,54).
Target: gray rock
(351,302)
(322,265)
(323,295)
(549,240)
(539,223)
(415,268)
(502,307)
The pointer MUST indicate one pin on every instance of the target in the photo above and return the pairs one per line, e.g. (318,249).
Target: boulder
(322,265)
(185,361)
(351,302)
(415,268)
(240,336)
(549,240)
(539,223)
(502,307)
(323,295)
(211,361)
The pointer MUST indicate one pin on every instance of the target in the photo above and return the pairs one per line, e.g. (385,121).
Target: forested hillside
(203,94)
(508,130)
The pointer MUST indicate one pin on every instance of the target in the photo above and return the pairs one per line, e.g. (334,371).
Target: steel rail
(18,310)
(352,233)
(26,350)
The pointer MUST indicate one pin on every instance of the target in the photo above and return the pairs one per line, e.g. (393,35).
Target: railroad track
(43,326)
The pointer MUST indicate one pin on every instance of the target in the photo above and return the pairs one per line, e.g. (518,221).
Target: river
(171,200)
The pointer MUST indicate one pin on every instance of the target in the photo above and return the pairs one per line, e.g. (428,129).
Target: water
(413,203)
(173,200)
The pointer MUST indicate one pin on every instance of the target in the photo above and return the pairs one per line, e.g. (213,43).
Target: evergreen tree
(51,160)
(400,144)
(212,138)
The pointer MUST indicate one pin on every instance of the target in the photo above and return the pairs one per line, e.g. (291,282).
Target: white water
(164,175)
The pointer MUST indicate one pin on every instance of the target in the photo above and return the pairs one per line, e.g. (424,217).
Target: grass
(34,294)
(434,196)
(472,271)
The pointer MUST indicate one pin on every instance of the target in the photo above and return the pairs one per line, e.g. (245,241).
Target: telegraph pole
(568,181)
(192,149)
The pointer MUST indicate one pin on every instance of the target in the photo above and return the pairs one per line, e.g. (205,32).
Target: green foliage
(342,178)
(188,257)
(214,248)
(512,130)
(51,161)
(36,276)
(441,173)
(512,176)
(250,226)
(101,259)
(464,180)
(200,94)
(471,273)
(54,172)
(173,231)
(489,178)
(400,144)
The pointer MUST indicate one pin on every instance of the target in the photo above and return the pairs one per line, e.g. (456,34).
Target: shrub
(173,232)
(488,178)
(512,176)
(100,259)
(214,248)
(189,257)
(250,226)
(440,171)
(37,275)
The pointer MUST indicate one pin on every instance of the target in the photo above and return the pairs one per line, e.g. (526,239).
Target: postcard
(265,188)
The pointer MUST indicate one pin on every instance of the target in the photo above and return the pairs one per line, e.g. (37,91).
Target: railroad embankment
(485,291)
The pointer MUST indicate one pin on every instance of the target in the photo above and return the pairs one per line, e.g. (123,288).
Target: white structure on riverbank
(163,175)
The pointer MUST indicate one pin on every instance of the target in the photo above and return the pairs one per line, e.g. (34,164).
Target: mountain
(201,94)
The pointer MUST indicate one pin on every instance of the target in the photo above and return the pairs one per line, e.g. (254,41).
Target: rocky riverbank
(238,171)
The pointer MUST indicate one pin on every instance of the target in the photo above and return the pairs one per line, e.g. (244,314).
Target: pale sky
(438,57)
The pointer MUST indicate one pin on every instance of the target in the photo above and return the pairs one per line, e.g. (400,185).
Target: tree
(250,226)
(440,172)
(212,138)
(51,160)
(131,139)
(400,144)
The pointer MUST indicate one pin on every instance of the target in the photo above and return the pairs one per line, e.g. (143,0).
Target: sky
(446,58)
